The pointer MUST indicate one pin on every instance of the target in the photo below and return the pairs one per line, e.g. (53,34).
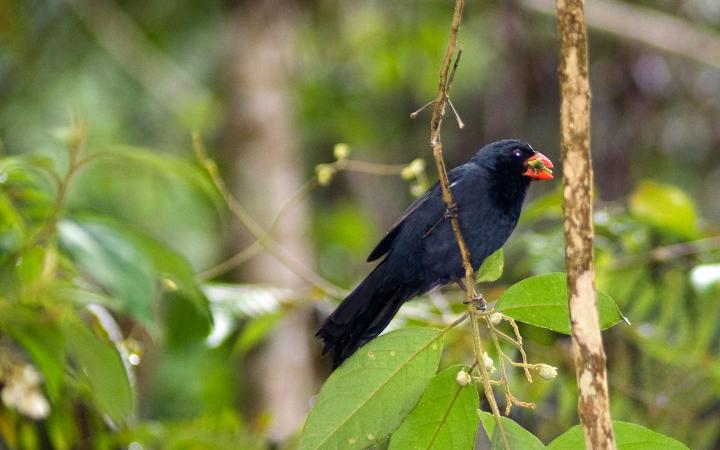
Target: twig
(515,343)
(414,114)
(436,145)
(257,231)
(163,78)
(370,167)
(648,26)
(593,402)
(256,247)
(460,123)
(668,252)
(510,399)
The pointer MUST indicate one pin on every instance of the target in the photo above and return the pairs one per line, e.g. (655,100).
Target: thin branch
(164,79)
(593,401)
(257,247)
(370,167)
(436,145)
(414,114)
(668,252)
(258,232)
(510,399)
(648,26)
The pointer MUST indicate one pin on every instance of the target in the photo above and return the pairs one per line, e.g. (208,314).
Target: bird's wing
(431,194)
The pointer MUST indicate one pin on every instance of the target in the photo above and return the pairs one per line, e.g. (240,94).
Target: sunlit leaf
(517,437)
(628,436)
(492,268)
(100,366)
(248,300)
(664,207)
(113,261)
(542,301)
(368,396)
(445,418)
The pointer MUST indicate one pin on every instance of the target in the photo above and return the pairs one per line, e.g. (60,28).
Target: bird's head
(513,157)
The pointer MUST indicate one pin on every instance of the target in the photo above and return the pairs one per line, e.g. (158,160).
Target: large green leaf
(42,340)
(367,397)
(542,300)
(492,268)
(444,419)
(114,262)
(518,437)
(102,369)
(664,207)
(182,290)
(628,436)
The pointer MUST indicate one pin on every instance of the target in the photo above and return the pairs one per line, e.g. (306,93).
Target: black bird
(420,249)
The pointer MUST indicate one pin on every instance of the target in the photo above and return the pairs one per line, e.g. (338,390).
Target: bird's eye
(517,153)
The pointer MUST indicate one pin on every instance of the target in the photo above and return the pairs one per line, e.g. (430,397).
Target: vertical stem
(436,145)
(593,402)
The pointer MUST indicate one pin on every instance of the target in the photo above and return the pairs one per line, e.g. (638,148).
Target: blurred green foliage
(129,231)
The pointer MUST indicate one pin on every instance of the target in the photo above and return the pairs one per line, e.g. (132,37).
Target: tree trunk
(261,142)
(593,403)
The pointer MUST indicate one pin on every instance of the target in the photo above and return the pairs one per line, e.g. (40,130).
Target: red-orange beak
(539,167)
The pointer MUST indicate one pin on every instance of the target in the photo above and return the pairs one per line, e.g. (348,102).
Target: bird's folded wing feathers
(433,193)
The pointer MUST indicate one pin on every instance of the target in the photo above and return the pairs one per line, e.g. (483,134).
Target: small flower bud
(34,405)
(341,151)
(416,190)
(489,364)
(169,284)
(495,318)
(417,166)
(324,173)
(463,378)
(546,372)
(407,173)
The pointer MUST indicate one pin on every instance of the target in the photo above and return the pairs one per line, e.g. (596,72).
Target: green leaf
(628,436)
(102,369)
(29,267)
(518,437)
(444,419)
(492,268)
(665,207)
(542,301)
(114,262)
(368,396)
(45,344)
(177,272)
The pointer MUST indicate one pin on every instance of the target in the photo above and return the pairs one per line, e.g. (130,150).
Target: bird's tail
(363,315)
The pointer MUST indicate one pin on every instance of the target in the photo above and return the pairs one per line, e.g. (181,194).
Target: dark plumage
(420,249)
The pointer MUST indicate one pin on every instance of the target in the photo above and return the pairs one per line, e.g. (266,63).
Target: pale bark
(593,403)
(261,140)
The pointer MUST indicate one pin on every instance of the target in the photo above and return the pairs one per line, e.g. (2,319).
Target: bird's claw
(451,211)
(478,301)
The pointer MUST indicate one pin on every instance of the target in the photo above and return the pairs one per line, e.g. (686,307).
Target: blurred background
(209,263)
